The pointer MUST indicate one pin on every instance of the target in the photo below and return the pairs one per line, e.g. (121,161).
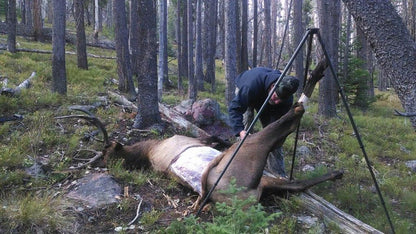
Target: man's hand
(243,134)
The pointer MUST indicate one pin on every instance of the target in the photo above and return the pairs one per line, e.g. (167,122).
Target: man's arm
(236,110)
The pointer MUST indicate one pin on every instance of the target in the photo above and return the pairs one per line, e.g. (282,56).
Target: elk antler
(90,118)
(95,121)
(404,114)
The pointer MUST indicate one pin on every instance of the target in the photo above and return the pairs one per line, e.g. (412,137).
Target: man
(252,89)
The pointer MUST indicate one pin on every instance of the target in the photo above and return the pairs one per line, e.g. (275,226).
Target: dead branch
(97,156)
(137,212)
(398,113)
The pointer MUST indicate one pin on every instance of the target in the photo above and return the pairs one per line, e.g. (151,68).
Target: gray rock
(95,190)
(412,165)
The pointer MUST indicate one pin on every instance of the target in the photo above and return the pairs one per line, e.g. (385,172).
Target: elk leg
(273,185)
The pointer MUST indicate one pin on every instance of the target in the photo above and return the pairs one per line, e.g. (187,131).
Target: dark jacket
(253,88)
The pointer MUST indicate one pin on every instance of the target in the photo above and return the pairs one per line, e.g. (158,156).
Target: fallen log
(322,208)
(3,47)
(16,91)
(170,114)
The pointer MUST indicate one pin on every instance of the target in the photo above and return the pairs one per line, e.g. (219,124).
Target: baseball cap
(287,87)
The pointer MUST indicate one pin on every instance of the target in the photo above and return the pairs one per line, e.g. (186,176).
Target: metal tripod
(309,34)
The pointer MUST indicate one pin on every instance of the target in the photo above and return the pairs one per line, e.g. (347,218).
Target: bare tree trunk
(58,48)
(244,35)
(274,31)
(230,49)
(81,40)
(209,41)
(98,19)
(134,38)
(122,48)
(221,29)
(37,20)
(329,11)
(28,14)
(192,85)
(147,98)
(184,55)
(163,50)
(394,49)
(346,44)
(11,26)
(267,33)
(255,32)
(199,72)
(179,45)
(298,33)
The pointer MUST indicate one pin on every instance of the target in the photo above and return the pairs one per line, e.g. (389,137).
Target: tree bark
(244,36)
(298,33)
(11,26)
(230,49)
(122,48)
(58,48)
(98,19)
(192,86)
(199,72)
(255,32)
(394,49)
(210,41)
(134,38)
(147,98)
(37,20)
(179,45)
(163,78)
(329,11)
(267,34)
(81,39)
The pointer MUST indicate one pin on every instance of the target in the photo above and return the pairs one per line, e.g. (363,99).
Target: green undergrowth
(388,140)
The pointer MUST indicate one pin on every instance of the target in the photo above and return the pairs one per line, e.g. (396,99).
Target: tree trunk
(199,72)
(192,86)
(58,48)
(147,98)
(274,31)
(37,20)
(209,41)
(179,45)
(134,38)
(109,18)
(394,49)
(98,18)
(81,40)
(122,48)
(184,45)
(28,15)
(221,29)
(244,35)
(255,32)
(347,52)
(298,33)
(11,26)
(267,34)
(163,48)
(230,49)
(329,11)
